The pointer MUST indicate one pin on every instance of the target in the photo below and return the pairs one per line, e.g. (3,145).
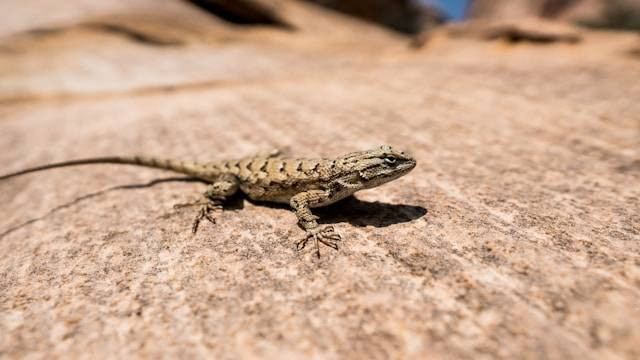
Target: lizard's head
(380,165)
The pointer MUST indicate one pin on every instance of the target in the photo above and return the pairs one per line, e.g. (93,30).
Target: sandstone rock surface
(517,235)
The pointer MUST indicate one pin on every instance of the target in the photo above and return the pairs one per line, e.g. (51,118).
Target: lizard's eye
(390,160)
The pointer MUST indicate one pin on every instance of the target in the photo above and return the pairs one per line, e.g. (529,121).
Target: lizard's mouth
(387,175)
(408,166)
(403,168)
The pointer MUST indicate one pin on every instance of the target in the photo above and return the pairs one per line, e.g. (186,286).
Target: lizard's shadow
(356,212)
(95,194)
(362,213)
(366,213)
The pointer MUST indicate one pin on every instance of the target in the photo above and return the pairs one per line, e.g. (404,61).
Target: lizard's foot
(325,235)
(206,207)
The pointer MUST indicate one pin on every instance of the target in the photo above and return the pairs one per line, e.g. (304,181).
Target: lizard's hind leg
(212,200)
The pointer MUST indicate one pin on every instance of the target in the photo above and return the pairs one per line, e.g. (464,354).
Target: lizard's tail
(204,172)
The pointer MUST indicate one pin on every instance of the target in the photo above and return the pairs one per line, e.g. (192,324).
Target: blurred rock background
(517,235)
(611,14)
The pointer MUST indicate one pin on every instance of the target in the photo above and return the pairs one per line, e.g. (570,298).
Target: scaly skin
(302,183)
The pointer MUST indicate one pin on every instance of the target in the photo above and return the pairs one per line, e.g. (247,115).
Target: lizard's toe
(205,213)
(329,237)
(300,244)
(326,235)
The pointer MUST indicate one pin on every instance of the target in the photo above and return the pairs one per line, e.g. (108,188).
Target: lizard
(302,183)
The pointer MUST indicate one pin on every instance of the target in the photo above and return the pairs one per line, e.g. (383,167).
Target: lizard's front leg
(301,203)
(212,199)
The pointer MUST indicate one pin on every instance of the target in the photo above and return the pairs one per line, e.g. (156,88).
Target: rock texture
(517,236)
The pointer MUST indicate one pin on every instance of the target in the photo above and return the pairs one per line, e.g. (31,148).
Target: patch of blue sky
(454,9)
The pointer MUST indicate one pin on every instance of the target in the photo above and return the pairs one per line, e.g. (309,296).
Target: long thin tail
(204,172)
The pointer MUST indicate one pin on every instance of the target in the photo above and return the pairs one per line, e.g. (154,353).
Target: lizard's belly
(279,193)
(274,193)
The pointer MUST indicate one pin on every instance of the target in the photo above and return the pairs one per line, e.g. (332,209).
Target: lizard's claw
(206,207)
(204,213)
(325,235)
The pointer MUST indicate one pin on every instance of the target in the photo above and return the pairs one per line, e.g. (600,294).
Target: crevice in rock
(512,34)
(243,12)
(134,35)
(114,29)
(404,16)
